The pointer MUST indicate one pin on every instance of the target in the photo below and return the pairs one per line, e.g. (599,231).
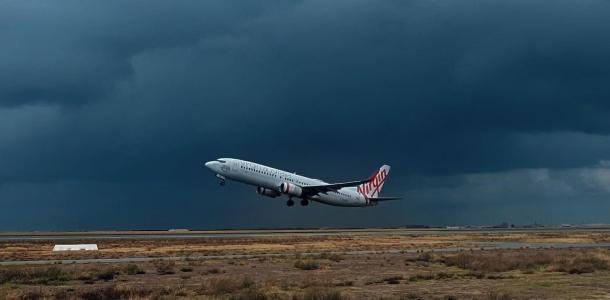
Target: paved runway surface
(137,235)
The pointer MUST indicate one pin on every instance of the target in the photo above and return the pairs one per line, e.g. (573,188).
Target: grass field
(317,268)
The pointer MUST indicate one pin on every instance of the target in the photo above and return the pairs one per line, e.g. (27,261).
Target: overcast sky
(487,111)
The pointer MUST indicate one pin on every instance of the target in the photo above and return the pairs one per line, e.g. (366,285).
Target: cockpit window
(222,160)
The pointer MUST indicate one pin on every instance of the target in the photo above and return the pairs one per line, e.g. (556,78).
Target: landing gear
(290,202)
(222,179)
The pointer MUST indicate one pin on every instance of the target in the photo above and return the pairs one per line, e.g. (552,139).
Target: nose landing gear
(222,179)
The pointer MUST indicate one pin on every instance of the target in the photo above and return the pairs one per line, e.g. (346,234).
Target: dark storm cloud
(117,104)
(74,52)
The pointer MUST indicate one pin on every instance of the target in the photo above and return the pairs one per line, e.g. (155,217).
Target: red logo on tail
(372,187)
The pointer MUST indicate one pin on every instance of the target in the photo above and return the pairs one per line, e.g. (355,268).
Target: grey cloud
(104,99)
(74,53)
(524,196)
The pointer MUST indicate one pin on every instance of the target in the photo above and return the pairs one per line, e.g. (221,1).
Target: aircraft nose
(210,165)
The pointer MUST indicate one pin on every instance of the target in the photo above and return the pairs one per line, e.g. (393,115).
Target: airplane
(273,183)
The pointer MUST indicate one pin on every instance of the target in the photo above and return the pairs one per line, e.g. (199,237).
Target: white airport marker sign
(76,247)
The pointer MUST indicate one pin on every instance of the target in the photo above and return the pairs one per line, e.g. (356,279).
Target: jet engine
(267,192)
(291,189)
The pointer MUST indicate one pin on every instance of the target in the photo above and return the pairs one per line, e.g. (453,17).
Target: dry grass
(528,261)
(322,294)
(330,256)
(44,276)
(499,261)
(384,241)
(477,275)
(164,267)
(307,264)
(133,269)
(579,265)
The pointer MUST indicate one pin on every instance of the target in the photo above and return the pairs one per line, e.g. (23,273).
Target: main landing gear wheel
(222,182)
(290,202)
(304,202)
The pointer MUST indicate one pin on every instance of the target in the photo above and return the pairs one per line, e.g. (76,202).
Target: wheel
(222,182)
(304,202)
(290,203)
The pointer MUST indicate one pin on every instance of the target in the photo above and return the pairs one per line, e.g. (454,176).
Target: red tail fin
(372,188)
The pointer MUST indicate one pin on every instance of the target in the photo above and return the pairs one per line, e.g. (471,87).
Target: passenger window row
(258,171)
(272,174)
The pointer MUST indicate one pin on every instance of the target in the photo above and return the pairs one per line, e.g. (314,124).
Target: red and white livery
(273,183)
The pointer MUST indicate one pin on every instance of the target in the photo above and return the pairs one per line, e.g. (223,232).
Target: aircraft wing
(323,188)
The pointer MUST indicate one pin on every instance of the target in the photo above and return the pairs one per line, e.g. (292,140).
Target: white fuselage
(270,178)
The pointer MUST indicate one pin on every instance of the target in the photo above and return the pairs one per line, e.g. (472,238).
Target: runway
(209,234)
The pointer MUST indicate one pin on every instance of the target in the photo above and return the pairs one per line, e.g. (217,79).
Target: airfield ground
(312,264)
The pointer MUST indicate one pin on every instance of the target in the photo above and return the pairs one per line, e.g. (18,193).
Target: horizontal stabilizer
(384,198)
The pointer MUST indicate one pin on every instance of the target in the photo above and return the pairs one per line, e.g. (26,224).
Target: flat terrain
(310,264)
